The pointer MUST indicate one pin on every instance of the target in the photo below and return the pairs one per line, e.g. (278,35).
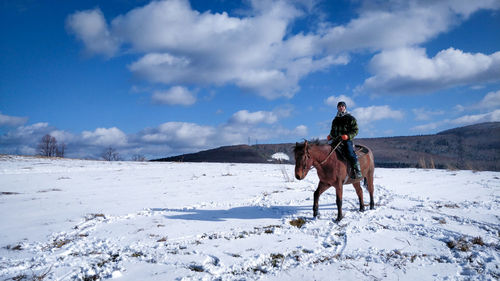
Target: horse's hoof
(315,213)
(339,218)
(362,208)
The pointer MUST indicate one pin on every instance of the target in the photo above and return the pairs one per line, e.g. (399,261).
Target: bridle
(306,156)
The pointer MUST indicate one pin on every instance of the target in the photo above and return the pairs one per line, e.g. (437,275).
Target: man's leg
(353,158)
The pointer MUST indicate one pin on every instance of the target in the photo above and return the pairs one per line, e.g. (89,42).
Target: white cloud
(429,127)
(183,46)
(409,70)
(395,24)
(174,25)
(401,66)
(493,116)
(24,139)
(424,114)
(257,51)
(27,133)
(175,96)
(284,111)
(253,118)
(12,121)
(113,137)
(179,135)
(369,114)
(301,131)
(63,136)
(91,28)
(370,30)
(491,100)
(334,100)
(466,8)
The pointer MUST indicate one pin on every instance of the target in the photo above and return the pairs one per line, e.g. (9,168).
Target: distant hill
(475,147)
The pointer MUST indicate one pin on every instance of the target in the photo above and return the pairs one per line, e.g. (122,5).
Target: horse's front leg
(339,190)
(322,187)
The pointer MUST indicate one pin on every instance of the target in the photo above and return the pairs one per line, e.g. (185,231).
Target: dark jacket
(344,125)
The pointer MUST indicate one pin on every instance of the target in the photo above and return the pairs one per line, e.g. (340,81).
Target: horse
(334,170)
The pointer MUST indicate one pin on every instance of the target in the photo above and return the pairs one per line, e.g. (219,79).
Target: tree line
(49,147)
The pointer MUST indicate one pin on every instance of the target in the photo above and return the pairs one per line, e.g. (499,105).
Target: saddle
(358,149)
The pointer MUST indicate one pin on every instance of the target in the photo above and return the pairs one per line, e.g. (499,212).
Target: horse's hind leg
(322,187)
(369,186)
(339,191)
(359,192)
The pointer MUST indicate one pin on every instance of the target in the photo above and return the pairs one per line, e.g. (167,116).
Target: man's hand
(328,137)
(345,137)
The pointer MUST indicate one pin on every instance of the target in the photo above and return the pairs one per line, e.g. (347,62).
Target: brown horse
(333,170)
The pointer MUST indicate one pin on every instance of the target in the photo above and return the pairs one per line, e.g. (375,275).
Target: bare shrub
(138,158)
(277,260)
(284,173)
(110,154)
(298,222)
(431,164)
(421,163)
(478,241)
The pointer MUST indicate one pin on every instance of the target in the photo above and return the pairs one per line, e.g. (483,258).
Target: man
(345,127)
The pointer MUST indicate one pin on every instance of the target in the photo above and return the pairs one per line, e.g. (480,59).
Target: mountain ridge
(473,147)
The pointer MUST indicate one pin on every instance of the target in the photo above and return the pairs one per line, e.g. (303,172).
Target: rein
(330,154)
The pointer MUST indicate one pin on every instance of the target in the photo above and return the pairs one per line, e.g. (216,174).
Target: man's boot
(356,168)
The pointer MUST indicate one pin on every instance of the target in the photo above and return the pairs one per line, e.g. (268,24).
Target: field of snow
(89,220)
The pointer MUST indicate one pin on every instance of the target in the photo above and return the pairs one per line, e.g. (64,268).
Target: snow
(64,219)
(280,156)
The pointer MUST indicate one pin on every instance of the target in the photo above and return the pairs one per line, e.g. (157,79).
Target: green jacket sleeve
(354,128)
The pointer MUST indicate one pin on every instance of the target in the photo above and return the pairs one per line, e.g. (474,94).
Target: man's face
(341,108)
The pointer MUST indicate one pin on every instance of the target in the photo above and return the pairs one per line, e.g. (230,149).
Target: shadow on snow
(243,213)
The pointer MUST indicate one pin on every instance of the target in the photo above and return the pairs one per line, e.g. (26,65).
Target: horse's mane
(313,142)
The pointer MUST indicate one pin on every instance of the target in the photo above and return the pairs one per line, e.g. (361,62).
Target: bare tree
(47,146)
(138,158)
(61,150)
(110,154)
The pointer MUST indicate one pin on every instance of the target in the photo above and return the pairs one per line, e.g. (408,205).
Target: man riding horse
(344,129)
(332,170)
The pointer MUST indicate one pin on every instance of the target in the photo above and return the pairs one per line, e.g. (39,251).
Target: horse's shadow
(242,213)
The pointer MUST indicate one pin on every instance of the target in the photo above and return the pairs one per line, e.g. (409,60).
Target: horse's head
(303,160)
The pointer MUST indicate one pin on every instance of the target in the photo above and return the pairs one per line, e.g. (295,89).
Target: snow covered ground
(88,220)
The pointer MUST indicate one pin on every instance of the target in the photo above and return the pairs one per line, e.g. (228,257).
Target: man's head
(341,107)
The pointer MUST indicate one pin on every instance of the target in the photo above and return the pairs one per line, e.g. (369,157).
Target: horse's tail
(370,173)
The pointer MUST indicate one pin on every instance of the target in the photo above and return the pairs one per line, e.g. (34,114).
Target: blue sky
(169,77)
